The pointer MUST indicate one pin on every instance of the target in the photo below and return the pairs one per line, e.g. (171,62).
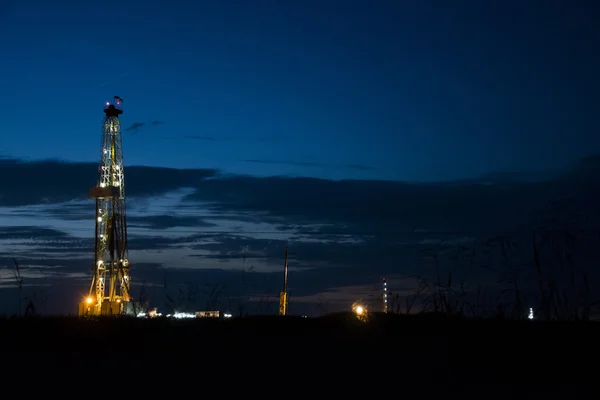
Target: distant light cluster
(184,315)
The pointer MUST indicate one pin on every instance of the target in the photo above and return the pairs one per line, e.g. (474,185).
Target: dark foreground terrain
(387,356)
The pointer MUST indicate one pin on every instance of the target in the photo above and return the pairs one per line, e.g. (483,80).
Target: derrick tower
(110,289)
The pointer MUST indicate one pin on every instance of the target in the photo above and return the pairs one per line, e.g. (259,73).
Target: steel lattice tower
(110,288)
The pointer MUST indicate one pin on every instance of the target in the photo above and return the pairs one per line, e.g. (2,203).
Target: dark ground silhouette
(388,356)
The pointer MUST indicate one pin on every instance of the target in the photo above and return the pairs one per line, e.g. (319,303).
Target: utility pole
(283,298)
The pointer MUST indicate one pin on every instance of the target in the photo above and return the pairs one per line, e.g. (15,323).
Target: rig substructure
(110,292)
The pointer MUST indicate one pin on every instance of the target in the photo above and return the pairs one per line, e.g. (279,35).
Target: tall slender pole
(283,303)
(285,271)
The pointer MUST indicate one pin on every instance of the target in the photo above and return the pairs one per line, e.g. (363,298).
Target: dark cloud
(137,126)
(302,254)
(358,207)
(30,232)
(370,206)
(51,245)
(364,229)
(168,221)
(388,207)
(47,182)
(157,242)
(134,127)
(48,266)
(310,164)
(511,177)
(66,211)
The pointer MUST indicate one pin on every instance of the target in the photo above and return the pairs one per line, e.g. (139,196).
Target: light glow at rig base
(86,306)
(360,310)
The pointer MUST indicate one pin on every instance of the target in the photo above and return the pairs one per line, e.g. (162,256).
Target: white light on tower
(385,299)
(530,316)
(360,309)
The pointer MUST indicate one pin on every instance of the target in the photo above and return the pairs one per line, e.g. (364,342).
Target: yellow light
(89,300)
(359,310)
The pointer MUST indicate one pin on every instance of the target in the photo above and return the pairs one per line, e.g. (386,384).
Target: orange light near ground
(89,300)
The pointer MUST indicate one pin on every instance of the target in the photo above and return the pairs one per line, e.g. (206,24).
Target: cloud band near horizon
(205,226)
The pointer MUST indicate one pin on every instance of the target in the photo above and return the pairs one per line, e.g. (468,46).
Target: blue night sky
(415,90)
(253,98)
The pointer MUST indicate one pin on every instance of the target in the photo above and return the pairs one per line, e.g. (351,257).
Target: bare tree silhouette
(323,303)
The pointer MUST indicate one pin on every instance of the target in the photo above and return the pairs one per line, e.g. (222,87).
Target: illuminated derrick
(110,289)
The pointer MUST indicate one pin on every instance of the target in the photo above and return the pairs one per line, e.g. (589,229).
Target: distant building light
(208,314)
(182,315)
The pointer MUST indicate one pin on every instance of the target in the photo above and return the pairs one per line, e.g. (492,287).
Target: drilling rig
(110,289)
(283,298)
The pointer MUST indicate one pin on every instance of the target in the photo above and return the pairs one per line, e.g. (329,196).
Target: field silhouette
(396,352)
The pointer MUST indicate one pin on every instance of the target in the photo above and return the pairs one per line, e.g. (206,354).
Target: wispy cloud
(135,127)
(310,164)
